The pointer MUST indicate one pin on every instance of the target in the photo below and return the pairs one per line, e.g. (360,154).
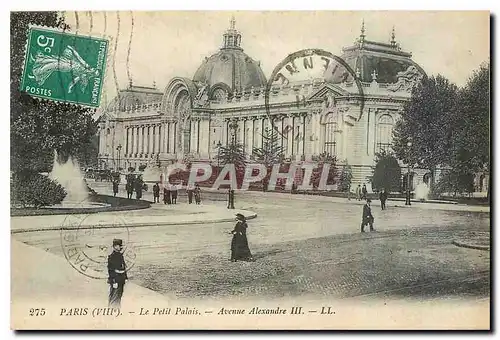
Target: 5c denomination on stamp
(64,67)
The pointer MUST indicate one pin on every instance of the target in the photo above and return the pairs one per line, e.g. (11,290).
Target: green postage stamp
(64,66)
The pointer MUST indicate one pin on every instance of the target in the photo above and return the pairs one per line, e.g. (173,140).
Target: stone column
(151,140)
(141,139)
(289,124)
(173,135)
(166,138)
(251,135)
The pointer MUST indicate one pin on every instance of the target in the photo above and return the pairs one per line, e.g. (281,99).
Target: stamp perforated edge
(103,37)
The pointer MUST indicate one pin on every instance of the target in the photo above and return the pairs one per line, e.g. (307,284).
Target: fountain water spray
(69,176)
(422,192)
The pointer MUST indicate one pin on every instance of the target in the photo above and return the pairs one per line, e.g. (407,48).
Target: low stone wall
(115,204)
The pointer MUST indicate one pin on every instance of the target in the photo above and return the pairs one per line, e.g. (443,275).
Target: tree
(470,151)
(38,127)
(233,153)
(345,178)
(270,153)
(455,181)
(425,123)
(386,173)
(323,159)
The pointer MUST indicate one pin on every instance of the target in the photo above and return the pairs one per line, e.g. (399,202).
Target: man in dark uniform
(174,193)
(190,192)
(367,216)
(156,193)
(115,188)
(364,192)
(383,197)
(117,274)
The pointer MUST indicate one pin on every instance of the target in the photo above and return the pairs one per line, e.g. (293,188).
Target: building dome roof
(231,66)
(371,60)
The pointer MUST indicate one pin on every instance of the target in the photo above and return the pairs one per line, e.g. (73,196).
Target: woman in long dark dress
(239,244)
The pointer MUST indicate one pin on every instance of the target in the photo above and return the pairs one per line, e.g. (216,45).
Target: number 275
(37,311)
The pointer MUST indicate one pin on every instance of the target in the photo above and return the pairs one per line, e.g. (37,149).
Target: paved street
(307,247)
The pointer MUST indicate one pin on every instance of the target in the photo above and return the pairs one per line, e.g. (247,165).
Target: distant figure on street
(189,191)
(156,193)
(230,201)
(367,216)
(115,188)
(174,193)
(197,194)
(358,193)
(239,244)
(383,197)
(117,274)
(166,194)
(364,192)
(130,188)
(138,188)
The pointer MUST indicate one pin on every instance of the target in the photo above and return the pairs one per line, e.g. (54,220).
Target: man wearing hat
(117,274)
(367,216)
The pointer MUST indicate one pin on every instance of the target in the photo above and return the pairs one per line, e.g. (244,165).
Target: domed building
(348,111)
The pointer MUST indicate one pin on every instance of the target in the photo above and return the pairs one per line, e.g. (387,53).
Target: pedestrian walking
(156,193)
(358,193)
(383,198)
(364,192)
(115,188)
(189,191)
(139,186)
(117,274)
(239,244)
(197,194)
(167,194)
(367,218)
(174,193)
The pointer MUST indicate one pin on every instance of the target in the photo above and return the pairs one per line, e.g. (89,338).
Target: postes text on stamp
(64,67)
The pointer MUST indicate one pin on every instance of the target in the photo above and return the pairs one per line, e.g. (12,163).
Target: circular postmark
(87,241)
(303,68)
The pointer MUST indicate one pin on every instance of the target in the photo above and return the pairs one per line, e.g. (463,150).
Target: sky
(167,44)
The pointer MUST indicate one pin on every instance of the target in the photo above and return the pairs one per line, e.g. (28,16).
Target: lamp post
(119,149)
(219,144)
(408,201)
(233,126)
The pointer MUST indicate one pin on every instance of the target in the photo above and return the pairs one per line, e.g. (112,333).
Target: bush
(35,190)
(387,173)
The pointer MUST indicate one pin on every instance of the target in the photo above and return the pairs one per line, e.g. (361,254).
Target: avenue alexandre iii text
(296,310)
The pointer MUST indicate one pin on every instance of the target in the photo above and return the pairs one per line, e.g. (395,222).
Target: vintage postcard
(306,170)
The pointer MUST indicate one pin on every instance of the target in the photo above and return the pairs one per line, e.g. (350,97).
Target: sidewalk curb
(250,216)
(470,246)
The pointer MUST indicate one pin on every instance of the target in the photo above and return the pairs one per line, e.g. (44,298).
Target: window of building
(385,125)
(330,135)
